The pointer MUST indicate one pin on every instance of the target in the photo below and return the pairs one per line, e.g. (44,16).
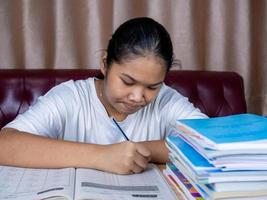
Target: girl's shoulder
(73,85)
(168,92)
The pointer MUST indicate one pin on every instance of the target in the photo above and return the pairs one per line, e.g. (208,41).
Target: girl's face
(131,85)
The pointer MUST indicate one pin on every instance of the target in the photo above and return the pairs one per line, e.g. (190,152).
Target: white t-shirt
(72,111)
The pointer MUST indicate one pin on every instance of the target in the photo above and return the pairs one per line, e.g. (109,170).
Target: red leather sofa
(214,93)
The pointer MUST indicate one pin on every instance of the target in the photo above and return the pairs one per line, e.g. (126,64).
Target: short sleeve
(47,116)
(175,106)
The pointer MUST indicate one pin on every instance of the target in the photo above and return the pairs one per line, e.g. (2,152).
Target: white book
(210,194)
(191,154)
(239,185)
(213,154)
(220,176)
(77,184)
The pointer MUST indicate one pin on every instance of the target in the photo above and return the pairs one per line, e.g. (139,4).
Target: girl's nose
(137,94)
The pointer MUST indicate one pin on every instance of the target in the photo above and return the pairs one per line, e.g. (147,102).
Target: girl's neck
(99,84)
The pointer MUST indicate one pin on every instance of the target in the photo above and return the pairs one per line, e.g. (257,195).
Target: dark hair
(140,37)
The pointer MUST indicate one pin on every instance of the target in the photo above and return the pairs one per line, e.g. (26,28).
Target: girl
(80,123)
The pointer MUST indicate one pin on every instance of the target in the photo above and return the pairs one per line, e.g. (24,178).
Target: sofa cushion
(214,93)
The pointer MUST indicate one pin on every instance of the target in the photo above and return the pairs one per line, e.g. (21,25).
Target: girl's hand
(124,158)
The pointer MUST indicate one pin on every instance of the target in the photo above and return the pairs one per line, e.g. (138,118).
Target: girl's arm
(27,150)
(158,149)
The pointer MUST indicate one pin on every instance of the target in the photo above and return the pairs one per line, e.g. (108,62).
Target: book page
(26,183)
(93,184)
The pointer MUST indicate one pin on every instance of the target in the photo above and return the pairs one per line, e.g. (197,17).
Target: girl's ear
(103,64)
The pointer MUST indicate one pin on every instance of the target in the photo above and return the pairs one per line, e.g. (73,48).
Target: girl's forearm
(159,151)
(28,150)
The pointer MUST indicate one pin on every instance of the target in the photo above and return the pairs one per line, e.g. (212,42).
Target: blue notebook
(243,131)
(188,154)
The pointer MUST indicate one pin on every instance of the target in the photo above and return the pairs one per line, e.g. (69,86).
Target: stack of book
(219,158)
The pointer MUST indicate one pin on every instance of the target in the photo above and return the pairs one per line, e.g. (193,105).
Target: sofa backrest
(214,93)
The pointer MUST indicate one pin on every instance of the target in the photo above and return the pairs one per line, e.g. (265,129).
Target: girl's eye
(152,88)
(127,82)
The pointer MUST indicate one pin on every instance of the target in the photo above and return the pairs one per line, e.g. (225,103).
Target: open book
(71,183)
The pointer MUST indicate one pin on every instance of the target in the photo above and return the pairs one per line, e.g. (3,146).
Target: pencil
(118,126)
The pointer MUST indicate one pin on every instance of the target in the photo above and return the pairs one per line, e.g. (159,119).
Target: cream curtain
(207,35)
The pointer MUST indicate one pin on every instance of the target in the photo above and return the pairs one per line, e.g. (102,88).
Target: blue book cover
(188,154)
(243,131)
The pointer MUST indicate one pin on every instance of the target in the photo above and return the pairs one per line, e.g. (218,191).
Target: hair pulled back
(140,37)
